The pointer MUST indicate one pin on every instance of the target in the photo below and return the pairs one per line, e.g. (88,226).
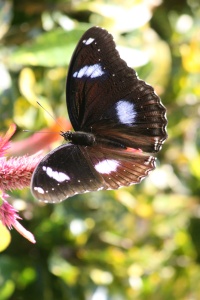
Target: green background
(141,242)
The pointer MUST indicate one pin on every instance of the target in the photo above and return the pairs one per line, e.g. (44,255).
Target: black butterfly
(118,120)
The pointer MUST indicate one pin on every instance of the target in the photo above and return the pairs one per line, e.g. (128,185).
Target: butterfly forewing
(65,172)
(97,74)
(93,67)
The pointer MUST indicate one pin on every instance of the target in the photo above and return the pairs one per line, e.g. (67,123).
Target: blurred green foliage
(136,243)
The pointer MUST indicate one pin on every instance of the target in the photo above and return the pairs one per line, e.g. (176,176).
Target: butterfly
(119,123)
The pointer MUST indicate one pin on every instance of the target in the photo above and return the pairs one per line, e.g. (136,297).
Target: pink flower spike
(25,233)
(4,141)
(15,173)
(9,216)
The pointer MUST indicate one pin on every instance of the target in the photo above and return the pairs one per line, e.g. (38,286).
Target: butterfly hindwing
(120,167)
(85,169)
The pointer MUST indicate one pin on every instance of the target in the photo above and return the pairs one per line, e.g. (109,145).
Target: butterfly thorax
(79,137)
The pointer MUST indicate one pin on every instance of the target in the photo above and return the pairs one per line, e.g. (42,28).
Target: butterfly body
(79,138)
(89,139)
(118,121)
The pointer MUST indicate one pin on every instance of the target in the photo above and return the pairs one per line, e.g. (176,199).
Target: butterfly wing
(64,172)
(120,167)
(105,96)
(84,169)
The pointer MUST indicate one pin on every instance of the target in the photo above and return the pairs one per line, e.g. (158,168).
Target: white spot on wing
(156,143)
(107,166)
(101,188)
(91,71)
(39,190)
(88,42)
(58,176)
(125,111)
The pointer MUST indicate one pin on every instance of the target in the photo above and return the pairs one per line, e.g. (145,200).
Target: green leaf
(50,49)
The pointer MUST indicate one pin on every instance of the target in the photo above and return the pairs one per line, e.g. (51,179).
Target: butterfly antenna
(27,130)
(50,115)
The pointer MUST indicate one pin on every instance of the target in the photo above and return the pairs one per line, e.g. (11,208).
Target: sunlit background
(141,242)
